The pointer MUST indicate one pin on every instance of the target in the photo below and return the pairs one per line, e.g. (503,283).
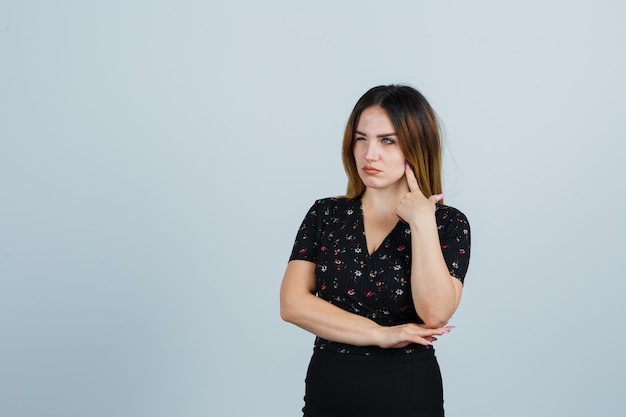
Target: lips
(371,170)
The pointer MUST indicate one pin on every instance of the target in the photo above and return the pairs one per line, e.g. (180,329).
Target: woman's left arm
(436,293)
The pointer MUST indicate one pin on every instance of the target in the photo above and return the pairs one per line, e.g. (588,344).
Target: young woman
(376,275)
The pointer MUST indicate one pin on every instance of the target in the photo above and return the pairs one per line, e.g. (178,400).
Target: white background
(157,157)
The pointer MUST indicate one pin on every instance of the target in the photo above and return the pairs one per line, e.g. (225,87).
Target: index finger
(410,179)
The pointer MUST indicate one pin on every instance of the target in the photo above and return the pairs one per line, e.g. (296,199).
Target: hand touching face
(414,205)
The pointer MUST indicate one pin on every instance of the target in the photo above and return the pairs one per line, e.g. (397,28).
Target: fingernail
(429,343)
(438,197)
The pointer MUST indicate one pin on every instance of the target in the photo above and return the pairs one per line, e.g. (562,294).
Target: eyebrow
(356,132)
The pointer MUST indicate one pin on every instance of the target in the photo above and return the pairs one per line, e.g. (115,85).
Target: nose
(372,151)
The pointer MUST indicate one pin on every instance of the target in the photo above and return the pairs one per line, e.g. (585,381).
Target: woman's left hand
(414,205)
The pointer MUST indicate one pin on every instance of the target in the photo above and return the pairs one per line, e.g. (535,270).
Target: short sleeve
(307,238)
(454,236)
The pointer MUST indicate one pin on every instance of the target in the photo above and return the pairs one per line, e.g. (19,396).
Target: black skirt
(346,385)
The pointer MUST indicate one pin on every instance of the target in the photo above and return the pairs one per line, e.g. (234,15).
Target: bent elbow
(288,311)
(433,319)
(285,314)
(432,323)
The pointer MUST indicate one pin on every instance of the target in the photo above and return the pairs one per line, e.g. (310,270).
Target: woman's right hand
(405,334)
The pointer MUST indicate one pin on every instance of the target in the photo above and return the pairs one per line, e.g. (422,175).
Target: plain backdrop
(157,158)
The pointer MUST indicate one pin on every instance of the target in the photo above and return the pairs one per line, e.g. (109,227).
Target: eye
(359,138)
(388,141)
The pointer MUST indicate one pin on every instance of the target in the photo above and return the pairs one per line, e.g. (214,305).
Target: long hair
(417,127)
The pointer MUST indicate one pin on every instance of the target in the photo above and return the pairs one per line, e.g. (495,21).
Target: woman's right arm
(299,305)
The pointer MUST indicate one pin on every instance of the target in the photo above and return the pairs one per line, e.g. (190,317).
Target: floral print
(376,286)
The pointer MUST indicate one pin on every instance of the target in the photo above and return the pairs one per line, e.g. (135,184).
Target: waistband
(323,345)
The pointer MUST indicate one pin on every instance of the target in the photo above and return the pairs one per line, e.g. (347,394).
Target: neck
(384,199)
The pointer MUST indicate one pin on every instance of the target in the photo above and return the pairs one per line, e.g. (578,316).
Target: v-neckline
(382,242)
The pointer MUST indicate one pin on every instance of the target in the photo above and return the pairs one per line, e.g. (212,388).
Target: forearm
(435,293)
(299,305)
(327,321)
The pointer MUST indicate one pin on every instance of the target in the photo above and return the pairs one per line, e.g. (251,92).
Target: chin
(378,185)
(381,185)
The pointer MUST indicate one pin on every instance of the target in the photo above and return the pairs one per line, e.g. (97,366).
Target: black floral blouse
(376,286)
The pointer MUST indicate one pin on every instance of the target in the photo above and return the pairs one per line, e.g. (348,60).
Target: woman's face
(378,157)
